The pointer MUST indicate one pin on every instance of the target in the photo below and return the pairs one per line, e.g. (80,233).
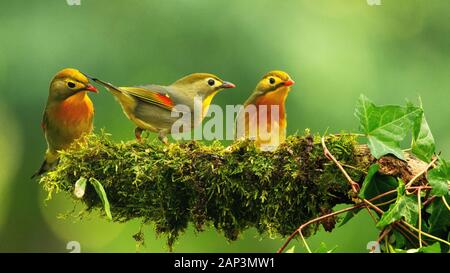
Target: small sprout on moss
(80,187)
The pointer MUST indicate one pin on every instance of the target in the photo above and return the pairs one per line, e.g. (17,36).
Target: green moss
(232,189)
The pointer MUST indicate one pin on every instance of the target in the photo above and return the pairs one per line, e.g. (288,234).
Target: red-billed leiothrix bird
(150,107)
(263,117)
(68,114)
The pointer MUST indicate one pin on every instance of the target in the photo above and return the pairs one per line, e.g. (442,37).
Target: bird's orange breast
(75,110)
(277,98)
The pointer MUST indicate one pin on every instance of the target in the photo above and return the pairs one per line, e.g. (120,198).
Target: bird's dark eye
(71,84)
(271,80)
(211,82)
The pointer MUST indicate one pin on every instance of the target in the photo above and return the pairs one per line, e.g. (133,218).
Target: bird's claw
(163,137)
(138,134)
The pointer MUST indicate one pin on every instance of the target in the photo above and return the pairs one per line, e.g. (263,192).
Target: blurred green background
(333,49)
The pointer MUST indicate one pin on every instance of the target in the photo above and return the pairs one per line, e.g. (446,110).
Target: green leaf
(434,248)
(423,145)
(375,184)
(396,250)
(438,179)
(102,194)
(381,184)
(348,216)
(400,240)
(404,207)
(291,250)
(380,148)
(368,179)
(439,220)
(385,126)
(324,249)
(80,187)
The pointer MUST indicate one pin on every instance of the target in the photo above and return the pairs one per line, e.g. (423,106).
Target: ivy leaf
(375,184)
(400,241)
(380,147)
(102,194)
(439,178)
(349,216)
(385,126)
(423,145)
(404,207)
(439,220)
(80,187)
(434,248)
(366,186)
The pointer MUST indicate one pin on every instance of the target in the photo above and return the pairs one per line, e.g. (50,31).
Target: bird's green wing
(156,96)
(152,94)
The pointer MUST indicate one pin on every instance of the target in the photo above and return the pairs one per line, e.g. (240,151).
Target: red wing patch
(164,99)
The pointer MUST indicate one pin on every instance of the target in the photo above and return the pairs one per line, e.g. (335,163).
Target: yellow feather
(207,103)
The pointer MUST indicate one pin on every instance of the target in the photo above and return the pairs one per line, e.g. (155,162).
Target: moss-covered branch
(232,189)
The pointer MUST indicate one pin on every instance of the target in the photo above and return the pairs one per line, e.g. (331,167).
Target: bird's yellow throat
(207,103)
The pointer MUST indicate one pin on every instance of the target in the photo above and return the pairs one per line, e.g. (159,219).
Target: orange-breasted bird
(263,117)
(150,107)
(68,114)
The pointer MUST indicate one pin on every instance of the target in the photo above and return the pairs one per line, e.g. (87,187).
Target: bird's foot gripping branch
(289,192)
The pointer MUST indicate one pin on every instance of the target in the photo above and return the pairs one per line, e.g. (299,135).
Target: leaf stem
(420,217)
(426,234)
(445,202)
(385,203)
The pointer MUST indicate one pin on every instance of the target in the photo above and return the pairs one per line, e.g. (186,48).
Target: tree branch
(231,189)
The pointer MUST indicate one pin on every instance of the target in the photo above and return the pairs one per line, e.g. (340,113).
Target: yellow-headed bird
(68,114)
(154,107)
(263,117)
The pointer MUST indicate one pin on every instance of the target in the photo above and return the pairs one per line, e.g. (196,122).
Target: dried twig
(299,229)
(353,184)
(384,233)
(420,217)
(417,176)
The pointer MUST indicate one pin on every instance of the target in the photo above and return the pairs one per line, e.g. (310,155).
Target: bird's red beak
(91,88)
(289,82)
(227,85)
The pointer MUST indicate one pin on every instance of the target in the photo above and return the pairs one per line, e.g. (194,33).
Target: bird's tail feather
(50,162)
